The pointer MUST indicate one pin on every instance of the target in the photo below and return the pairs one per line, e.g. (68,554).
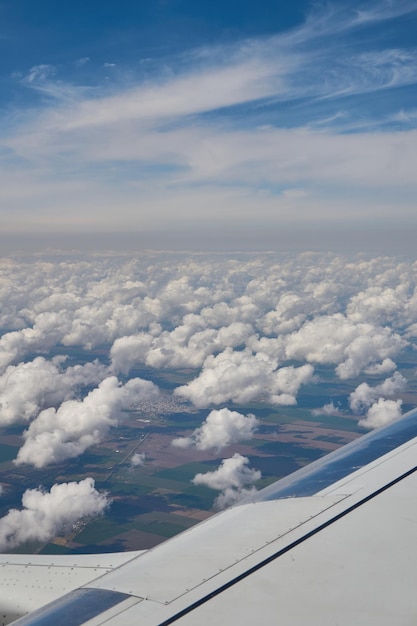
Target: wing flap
(27,583)
(192,558)
(358,570)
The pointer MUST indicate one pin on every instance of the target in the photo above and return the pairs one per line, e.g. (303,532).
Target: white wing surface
(334,543)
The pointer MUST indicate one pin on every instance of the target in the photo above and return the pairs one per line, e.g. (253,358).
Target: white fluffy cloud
(220,429)
(288,315)
(128,351)
(287,382)
(237,376)
(326,409)
(66,432)
(382,413)
(336,339)
(378,369)
(241,377)
(28,387)
(364,395)
(230,478)
(138,459)
(382,304)
(45,514)
(232,472)
(230,496)
(15,344)
(186,346)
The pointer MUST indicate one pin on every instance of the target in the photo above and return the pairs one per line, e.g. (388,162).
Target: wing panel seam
(282,551)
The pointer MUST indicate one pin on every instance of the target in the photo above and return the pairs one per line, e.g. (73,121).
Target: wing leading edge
(333,543)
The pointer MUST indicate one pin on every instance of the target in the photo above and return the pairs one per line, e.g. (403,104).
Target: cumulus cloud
(287,381)
(128,351)
(382,413)
(336,339)
(381,304)
(220,429)
(378,369)
(241,376)
(186,346)
(326,409)
(230,496)
(138,459)
(230,478)
(47,513)
(15,344)
(28,387)
(237,376)
(289,314)
(66,432)
(364,395)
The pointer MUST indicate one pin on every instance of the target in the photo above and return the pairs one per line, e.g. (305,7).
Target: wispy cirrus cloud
(229,126)
(329,19)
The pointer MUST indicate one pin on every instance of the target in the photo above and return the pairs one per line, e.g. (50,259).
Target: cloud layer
(249,329)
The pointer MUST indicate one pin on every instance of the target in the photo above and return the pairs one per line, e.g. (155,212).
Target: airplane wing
(334,543)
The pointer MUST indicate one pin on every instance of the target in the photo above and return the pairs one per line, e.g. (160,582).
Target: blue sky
(195,119)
